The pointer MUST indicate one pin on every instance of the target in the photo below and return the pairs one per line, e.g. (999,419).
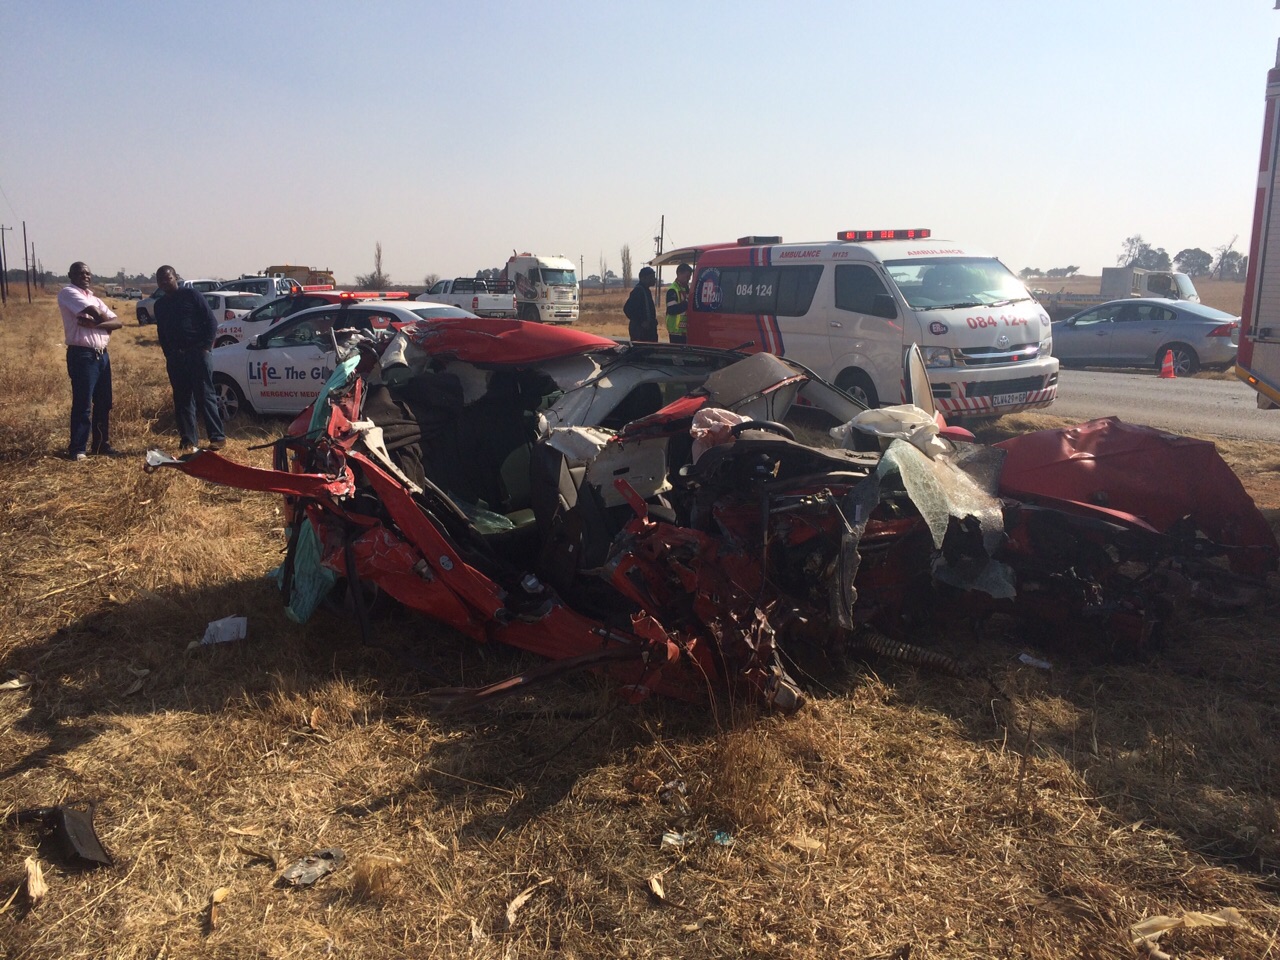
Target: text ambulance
(849,309)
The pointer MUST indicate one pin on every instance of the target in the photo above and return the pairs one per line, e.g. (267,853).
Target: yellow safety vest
(679,323)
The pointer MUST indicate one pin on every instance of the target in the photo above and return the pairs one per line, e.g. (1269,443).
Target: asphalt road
(1220,408)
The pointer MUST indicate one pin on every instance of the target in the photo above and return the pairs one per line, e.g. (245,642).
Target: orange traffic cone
(1166,368)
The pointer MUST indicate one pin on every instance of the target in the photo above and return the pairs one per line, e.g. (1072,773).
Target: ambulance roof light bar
(859,236)
(754,241)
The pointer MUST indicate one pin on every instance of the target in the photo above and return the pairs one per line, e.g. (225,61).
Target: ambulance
(848,309)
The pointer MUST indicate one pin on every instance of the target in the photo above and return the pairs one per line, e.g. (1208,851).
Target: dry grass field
(900,814)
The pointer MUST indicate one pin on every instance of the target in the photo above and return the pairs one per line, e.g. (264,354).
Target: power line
(9,202)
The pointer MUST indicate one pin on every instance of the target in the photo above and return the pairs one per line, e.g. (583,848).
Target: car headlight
(937,357)
(1046,347)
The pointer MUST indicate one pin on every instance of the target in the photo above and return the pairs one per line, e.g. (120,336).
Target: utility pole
(4,268)
(26,267)
(662,232)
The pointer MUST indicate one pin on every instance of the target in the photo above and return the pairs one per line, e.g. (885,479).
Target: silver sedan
(1138,332)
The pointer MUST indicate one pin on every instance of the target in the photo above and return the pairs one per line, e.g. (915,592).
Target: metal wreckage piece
(532,486)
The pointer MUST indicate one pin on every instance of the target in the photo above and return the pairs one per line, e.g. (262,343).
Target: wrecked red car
(693,520)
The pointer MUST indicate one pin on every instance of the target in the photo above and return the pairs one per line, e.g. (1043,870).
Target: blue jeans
(90,373)
(191,376)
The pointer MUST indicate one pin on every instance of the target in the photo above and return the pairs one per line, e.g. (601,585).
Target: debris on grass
(304,872)
(226,630)
(520,899)
(36,887)
(19,681)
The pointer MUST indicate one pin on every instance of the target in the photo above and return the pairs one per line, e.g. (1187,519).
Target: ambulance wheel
(858,385)
(1185,361)
(529,312)
(231,402)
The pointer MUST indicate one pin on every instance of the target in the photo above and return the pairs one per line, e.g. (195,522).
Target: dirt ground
(901,814)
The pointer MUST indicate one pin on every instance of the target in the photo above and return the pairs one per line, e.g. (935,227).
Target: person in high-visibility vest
(678,305)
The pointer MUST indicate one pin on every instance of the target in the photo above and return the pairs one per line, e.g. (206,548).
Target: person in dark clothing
(642,318)
(186,327)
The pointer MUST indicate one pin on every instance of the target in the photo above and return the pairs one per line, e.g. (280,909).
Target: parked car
(263,286)
(146,308)
(281,370)
(1137,332)
(133,293)
(272,311)
(230,305)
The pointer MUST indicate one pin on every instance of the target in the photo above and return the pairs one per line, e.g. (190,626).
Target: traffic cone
(1166,368)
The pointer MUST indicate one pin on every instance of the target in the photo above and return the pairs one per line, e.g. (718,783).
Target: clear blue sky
(223,137)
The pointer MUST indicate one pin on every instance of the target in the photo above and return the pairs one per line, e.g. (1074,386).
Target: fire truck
(1258,362)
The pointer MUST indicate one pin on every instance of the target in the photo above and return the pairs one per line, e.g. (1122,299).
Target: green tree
(1194,262)
(1153,259)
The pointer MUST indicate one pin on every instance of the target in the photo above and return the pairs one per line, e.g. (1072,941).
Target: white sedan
(281,371)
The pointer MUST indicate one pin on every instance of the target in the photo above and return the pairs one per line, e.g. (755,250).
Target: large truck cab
(849,310)
(546,287)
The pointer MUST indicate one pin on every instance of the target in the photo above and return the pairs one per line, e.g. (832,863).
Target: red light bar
(864,235)
(754,241)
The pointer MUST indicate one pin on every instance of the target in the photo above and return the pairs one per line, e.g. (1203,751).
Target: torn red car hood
(505,342)
(1159,477)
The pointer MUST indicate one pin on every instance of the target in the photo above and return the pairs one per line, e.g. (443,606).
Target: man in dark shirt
(186,328)
(642,318)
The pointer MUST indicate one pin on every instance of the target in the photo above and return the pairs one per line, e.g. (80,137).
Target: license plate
(1008,399)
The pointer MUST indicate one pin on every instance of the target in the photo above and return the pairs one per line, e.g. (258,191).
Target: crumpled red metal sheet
(1156,476)
(490,340)
(216,469)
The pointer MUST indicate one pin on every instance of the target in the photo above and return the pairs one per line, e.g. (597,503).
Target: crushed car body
(682,518)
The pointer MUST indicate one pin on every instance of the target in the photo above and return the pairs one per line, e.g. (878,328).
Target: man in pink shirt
(87,323)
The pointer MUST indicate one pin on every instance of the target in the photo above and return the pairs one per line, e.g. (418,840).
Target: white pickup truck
(484,298)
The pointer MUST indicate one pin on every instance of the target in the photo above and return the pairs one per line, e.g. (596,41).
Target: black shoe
(214,445)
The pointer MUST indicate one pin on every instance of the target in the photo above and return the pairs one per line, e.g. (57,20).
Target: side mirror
(255,343)
(882,305)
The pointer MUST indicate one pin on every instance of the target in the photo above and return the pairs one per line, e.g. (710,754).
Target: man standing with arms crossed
(87,323)
(186,327)
(678,305)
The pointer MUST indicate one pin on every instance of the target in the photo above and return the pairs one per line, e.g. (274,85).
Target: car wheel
(529,312)
(231,401)
(859,386)
(1185,360)
(143,319)
(224,341)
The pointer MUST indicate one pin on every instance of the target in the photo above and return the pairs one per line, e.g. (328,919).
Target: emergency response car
(849,309)
(250,324)
(281,370)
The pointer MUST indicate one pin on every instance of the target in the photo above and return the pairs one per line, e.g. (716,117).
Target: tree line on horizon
(1225,263)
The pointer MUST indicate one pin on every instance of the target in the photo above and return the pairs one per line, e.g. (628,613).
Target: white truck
(484,298)
(546,287)
(1258,360)
(1118,283)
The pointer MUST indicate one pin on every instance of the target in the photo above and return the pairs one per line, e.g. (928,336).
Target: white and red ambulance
(849,308)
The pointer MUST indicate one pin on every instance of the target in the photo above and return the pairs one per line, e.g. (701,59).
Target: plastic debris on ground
(1036,662)
(304,872)
(226,630)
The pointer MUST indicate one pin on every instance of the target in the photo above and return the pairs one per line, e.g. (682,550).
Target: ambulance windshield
(936,283)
